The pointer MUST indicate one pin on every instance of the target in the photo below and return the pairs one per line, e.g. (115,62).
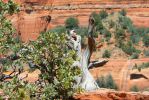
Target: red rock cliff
(29,24)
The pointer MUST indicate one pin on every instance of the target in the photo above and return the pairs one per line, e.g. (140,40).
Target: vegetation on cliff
(49,53)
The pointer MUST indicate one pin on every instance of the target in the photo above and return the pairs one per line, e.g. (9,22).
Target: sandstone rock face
(111,95)
(60,10)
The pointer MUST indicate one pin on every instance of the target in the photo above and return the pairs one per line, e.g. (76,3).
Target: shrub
(129,48)
(111,24)
(101,82)
(144,65)
(53,58)
(146,40)
(141,66)
(119,34)
(58,29)
(142,31)
(126,23)
(134,88)
(98,22)
(107,82)
(71,23)
(134,56)
(106,54)
(123,12)
(103,14)
(146,53)
(110,82)
(82,31)
(106,34)
(135,38)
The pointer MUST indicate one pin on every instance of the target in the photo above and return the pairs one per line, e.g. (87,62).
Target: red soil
(121,70)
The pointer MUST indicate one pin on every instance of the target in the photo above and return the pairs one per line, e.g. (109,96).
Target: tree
(51,55)
(86,80)
(71,23)
(9,44)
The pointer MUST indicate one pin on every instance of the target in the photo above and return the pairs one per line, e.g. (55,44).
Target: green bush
(142,31)
(141,66)
(58,29)
(110,82)
(49,53)
(144,65)
(71,23)
(146,40)
(135,38)
(106,34)
(53,58)
(119,34)
(126,23)
(82,31)
(101,82)
(146,53)
(111,24)
(106,54)
(134,89)
(103,14)
(134,56)
(107,82)
(123,12)
(98,21)
(129,48)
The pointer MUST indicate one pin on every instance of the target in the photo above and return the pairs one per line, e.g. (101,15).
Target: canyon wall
(29,23)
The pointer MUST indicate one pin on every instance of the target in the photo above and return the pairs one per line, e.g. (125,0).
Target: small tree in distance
(71,23)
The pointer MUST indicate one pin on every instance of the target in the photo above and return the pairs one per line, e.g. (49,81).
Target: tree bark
(87,81)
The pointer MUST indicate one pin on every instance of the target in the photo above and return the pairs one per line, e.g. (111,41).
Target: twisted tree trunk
(87,81)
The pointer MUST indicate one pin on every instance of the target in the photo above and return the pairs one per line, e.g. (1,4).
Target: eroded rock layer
(29,23)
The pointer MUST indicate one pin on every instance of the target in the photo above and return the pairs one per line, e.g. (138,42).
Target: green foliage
(98,22)
(58,29)
(18,90)
(107,82)
(142,31)
(144,65)
(135,38)
(120,34)
(53,58)
(103,14)
(134,56)
(71,23)
(129,49)
(82,31)
(106,54)
(49,54)
(111,24)
(106,34)
(123,12)
(126,23)
(146,40)
(146,53)
(6,30)
(141,66)
(134,89)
